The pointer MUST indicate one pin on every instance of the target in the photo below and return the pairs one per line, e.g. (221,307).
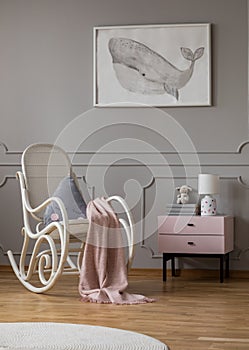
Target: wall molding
(228,163)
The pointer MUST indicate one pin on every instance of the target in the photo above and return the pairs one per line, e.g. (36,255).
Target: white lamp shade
(208,184)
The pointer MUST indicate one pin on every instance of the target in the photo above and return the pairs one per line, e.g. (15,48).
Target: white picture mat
(166,40)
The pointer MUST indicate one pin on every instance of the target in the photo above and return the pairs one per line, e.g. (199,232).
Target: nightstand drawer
(191,244)
(211,225)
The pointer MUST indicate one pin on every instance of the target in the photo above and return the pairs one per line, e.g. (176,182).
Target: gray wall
(46,65)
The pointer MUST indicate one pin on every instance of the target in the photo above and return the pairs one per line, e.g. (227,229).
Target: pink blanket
(103,277)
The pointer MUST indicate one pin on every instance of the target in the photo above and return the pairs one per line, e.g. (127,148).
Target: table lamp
(208,184)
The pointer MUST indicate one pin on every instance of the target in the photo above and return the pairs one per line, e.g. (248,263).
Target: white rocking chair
(43,167)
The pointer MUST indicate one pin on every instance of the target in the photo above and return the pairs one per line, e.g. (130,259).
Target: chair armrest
(27,209)
(128,227)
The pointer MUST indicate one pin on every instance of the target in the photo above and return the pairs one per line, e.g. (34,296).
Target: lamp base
(208,206)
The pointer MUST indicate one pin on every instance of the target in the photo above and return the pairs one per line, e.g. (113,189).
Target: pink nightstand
(199,236)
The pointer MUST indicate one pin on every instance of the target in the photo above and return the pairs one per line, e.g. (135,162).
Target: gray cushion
(74,203)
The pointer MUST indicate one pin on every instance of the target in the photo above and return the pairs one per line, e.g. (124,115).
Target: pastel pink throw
(103,277)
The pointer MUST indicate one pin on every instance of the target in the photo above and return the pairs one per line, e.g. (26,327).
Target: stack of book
(183,209)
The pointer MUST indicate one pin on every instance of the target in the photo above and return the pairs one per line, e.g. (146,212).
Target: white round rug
(73,336)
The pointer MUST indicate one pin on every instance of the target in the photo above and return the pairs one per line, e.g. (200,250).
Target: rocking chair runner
(43,167)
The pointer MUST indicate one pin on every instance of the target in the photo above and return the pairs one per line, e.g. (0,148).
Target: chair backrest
(43,167)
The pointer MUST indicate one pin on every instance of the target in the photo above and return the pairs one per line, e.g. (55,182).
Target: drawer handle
(191,243)
(190,225)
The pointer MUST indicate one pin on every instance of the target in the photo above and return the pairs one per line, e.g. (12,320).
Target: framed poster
(152,65)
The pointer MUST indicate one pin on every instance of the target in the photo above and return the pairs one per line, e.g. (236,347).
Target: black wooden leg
(164,267)
(227,265)
(221,268)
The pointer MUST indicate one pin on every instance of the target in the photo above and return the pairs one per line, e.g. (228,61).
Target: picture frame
(164,65)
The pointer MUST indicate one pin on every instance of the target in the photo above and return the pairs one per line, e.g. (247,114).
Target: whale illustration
(142,70)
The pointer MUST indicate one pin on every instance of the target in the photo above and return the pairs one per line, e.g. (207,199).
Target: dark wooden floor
(191,312)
